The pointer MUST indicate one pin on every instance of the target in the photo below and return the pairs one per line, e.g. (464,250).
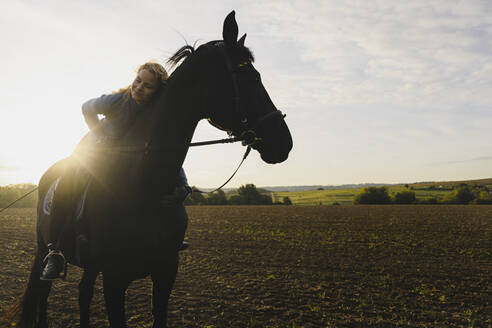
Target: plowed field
(293,266)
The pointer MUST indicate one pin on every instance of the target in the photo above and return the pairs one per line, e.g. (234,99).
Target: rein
(147,148)
(213,142)
(21,197)
(233,174)
(227,140)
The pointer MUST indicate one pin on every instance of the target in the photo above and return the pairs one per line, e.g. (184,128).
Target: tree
(462,194)
(265,200)
(483,198)
(249,194)
(373,195)
(235,200)
(195,198)
(217,198)
(405,197)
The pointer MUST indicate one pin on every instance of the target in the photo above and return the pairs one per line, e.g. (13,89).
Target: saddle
(78,209)
(80,184)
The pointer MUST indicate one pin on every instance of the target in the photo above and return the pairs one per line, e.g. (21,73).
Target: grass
(345,196)
(317,197)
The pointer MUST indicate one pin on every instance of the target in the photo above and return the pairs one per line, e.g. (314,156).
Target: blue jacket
(119,112)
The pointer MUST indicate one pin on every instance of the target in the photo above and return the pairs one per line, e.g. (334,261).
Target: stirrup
(63,274)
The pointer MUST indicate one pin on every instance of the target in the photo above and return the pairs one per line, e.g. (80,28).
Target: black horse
(131,233)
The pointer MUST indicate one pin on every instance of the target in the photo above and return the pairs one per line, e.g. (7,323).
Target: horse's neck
(167,126)
(172,126)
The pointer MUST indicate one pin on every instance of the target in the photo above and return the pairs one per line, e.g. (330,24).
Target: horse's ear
(230,30)
(241,41)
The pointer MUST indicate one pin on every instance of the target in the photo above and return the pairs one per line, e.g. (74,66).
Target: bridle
(248,135)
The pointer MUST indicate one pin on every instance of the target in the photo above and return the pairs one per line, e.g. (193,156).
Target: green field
(317,197)
(345,196)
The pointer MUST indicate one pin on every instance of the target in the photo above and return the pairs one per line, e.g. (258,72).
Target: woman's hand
(178,196)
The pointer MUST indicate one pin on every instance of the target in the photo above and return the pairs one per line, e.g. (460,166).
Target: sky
(374,91)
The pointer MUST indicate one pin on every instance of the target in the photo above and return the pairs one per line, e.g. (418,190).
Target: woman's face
(144,86)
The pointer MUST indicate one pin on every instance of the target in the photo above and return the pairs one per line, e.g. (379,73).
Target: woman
(121,107)
(119,110)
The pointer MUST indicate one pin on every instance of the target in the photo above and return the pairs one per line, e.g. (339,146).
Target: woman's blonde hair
(156,69)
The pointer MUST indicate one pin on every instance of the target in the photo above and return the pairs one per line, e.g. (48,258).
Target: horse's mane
(182,53)
(244,53)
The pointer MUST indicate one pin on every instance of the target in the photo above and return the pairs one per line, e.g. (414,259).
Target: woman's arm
(104,105)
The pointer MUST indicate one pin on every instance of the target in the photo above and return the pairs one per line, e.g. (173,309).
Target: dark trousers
(63,205)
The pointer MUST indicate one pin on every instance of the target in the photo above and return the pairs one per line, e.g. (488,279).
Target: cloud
(476,159)
(482,158)
(417,53)
(408,82)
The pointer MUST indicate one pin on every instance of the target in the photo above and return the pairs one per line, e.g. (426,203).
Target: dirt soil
(298,266)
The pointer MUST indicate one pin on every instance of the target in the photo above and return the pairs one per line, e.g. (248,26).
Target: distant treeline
(10,193)
(249,195)
(461,194)
(246,195)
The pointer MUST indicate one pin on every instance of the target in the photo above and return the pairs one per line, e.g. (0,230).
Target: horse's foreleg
(163,282)
(86,291)
(114,295)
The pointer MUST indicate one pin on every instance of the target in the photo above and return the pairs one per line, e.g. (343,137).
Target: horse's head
(234,98)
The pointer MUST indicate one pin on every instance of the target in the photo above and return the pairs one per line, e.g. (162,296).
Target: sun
(36,146)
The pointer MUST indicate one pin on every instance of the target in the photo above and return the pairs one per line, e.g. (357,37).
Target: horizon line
(313,185)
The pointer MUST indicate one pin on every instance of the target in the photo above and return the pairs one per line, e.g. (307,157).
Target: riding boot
(54,264)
